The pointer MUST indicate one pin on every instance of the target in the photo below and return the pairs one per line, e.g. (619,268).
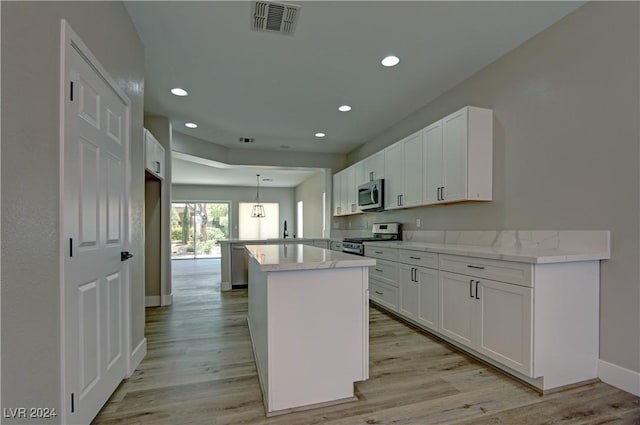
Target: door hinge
(71,95)
(70,247)
(73,406)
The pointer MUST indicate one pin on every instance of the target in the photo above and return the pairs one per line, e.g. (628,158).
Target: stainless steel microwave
(371,196)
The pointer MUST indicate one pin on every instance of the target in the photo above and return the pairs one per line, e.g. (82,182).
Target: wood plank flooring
(199,369)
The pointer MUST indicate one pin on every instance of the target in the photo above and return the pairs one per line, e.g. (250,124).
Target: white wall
(566,151)
(31,374)
(310,193)
(236,194)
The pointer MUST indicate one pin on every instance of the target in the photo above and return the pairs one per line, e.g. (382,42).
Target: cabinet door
(409,292)
(455,137)
(393,172)
(411,169)
(337,194)
(457,302)
(350,188)
(428,298)
(505,322)
(375,166)
(360,173)
(433,172)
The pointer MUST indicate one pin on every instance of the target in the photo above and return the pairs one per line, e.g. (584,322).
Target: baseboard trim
(619,377)
(136,356)
(225,286)
(166,299)
(158,300)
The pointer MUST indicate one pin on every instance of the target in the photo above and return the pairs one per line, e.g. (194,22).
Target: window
(300,220)
(259,228)
(196,228)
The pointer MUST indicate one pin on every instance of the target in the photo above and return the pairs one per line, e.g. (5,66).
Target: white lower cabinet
(538,322)
(419,295)
(493,318)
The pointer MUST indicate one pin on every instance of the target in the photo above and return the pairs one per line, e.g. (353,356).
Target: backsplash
(565,240)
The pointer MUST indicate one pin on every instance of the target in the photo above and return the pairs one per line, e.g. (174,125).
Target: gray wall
(30,175)
(160,127)
(236,194)
(310,193)
(566,151)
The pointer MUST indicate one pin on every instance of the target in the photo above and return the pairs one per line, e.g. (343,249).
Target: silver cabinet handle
(378,252)
(378,270)
(378,292)
(470,288)
(415,258)
(157,166)
(477,282)
(471,266)
(370,176)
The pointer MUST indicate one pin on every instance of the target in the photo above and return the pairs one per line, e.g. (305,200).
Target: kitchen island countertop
(302,257)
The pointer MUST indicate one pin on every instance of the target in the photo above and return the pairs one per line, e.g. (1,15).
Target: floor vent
(275,17)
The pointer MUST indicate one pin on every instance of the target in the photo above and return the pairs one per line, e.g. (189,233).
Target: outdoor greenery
(208,222)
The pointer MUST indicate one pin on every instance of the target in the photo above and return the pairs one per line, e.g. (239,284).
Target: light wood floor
(199,369)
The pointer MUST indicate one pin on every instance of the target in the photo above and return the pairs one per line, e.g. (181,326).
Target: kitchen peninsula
(309,324)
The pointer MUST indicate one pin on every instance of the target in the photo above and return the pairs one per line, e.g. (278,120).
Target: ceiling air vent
(246,139)
(277,17)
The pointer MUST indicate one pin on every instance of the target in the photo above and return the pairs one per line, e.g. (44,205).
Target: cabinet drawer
(381,252)
(418,258)
(383,294)
(386,271)
(502,271)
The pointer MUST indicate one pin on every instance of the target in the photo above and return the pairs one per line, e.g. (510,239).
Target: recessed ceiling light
(191,125)
(179,92)
(390,61)
(344,108)
(320,134)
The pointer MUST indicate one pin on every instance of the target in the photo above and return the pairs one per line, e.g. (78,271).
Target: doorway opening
(197,228)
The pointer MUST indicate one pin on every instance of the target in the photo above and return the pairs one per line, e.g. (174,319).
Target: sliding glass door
(196,228)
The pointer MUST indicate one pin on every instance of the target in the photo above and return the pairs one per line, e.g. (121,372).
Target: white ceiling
(187,169)
(283,89)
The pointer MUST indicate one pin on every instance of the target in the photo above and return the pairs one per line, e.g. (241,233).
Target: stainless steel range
(381,232)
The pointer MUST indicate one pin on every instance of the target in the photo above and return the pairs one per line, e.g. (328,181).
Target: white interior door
(95,281)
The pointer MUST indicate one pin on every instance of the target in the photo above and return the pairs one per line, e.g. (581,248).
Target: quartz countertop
(522,255)
(276,240)
(280,257)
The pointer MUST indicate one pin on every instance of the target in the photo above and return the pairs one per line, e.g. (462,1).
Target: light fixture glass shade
(257,211)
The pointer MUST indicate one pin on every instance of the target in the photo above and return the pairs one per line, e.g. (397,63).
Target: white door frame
(70,40)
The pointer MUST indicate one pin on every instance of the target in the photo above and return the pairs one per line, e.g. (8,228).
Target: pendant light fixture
(258,210)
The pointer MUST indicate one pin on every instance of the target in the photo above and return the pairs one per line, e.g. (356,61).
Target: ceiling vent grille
(275,17)
(246,140)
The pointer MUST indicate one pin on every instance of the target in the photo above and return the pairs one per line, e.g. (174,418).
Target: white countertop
(280,257)
(277,240)
(522,255)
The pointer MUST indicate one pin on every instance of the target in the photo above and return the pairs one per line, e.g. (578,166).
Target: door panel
(455,155)
(94,213)
(505,324)
(456,308)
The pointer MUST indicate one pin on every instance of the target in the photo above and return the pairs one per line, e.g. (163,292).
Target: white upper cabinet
(153,155)
(345,192)
(403,168)
(393,176)
(370,168)
(458,157)
(448,161)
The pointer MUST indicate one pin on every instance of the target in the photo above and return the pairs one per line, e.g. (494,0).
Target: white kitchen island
(309,324)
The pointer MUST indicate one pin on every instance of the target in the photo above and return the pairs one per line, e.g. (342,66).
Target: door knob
(125,255)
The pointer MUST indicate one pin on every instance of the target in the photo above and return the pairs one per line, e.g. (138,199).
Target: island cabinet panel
(293,316)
